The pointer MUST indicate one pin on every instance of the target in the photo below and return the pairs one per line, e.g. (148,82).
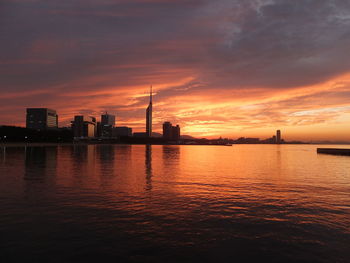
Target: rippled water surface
(122,203)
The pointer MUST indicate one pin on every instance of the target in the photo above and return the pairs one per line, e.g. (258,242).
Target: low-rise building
(41,119)
(122,131)
(171,132)
(84,127)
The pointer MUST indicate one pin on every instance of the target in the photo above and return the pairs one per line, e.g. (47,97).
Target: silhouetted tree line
(19,134)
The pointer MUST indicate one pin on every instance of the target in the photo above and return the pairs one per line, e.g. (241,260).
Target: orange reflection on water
(275,181)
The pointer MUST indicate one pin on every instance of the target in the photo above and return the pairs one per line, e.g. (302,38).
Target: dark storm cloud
(249,42)
(50,42)
(282,43)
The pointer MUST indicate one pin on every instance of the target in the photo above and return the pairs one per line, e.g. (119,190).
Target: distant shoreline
(48,144)
(42,144)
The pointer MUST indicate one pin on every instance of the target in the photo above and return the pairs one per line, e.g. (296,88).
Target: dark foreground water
(113,203)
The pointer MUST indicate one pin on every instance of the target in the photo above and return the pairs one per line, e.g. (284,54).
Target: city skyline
(88,127)
(149,111)
(222,68)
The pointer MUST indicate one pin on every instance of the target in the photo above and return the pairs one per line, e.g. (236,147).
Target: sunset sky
(226,68)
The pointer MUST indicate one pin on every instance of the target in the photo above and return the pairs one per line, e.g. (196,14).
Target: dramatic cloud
(224,67)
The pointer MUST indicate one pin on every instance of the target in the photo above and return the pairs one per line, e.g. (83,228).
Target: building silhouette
(108,119)
(41,119)
(106,126)
(122,131)
(274,140)
(278,136)
(171,132)
(175,130)
(140,135)
(243,140)
(84,127)
(149,116)
(167,130)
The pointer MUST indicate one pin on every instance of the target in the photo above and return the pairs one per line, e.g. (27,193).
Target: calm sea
(123,203)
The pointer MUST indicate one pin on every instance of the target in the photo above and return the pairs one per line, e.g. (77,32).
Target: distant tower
(149,116)
(278,136)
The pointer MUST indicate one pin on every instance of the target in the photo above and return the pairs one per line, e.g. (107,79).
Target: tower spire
(150,95)
(149,115)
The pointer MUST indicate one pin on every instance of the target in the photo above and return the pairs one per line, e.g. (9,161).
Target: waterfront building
(122,131)
(108,119)
(84,127)
(140,135)
(175,130)
(105,128)
(274,139)
(243,140)
(149,116)
(171,132)
(167,130)
(278,136)
(98,129)
(106,131)
(41,119)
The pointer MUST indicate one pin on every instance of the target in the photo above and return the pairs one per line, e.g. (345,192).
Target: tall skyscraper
(105,128)
(278,136)
(108,119)
(149,116)
(41,119)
